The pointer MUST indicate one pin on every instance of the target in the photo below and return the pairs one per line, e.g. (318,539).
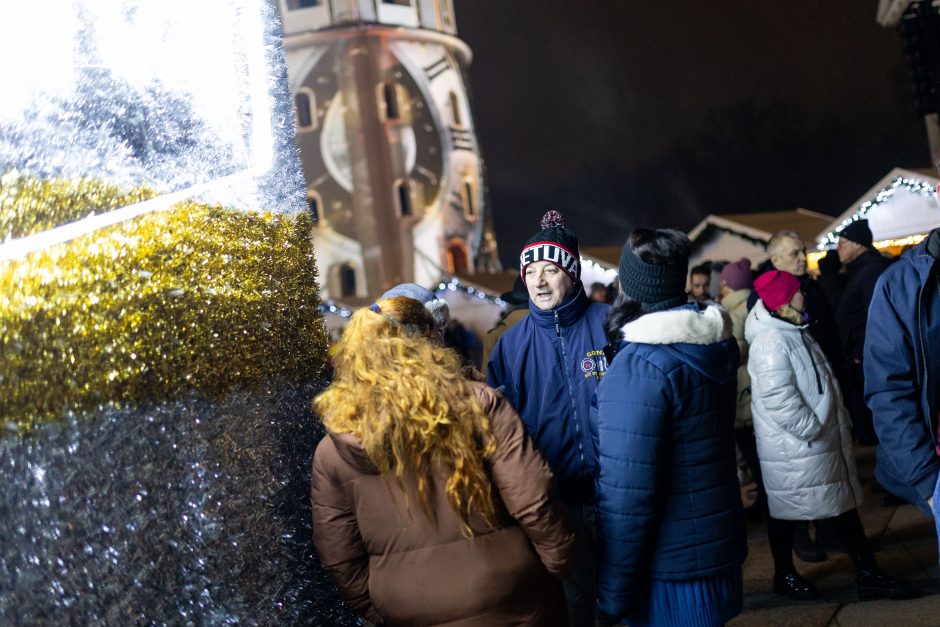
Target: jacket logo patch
(594,364)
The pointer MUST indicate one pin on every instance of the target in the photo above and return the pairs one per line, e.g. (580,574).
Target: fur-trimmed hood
(701,338)
(682,325)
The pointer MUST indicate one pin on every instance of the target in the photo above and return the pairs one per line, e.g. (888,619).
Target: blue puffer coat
(902,374)
(550,364)
(668,501)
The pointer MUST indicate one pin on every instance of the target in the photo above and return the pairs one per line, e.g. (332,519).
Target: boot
(874,583)
(805,547)
(792,584)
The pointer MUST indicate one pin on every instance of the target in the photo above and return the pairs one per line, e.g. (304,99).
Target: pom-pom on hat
(555,244)
(858,232)
(737,275)
(437,307)
(776,288)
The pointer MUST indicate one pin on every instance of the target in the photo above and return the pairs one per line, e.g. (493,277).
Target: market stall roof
(902,204)
(761,225)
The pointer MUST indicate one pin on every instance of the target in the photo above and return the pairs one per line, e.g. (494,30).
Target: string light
(914,186)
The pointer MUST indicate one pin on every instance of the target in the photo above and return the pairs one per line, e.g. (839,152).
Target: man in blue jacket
(902,374)
(548,366)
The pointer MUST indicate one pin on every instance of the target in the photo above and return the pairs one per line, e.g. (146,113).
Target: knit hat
(555,244)
(436,307)
(657,286)
(737,275)
(776,288)
(857,232)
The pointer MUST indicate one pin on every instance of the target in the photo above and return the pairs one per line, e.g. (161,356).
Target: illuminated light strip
(13,249)
(908,240)
(262,133)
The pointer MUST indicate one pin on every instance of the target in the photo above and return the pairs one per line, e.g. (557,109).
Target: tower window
(303,4)
(313,205)
(403,194)
(305,106)
(390,95)
(347,280)
(468,200)
(455,110)
(457,262)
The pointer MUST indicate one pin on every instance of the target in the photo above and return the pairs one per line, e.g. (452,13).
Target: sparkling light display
(912,185)
(193,298)
(160,336)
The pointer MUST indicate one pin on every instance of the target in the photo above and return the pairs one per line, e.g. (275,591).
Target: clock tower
(394,176)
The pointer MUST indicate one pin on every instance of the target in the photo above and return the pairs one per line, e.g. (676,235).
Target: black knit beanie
(858,232)
(657,286)
(553,243)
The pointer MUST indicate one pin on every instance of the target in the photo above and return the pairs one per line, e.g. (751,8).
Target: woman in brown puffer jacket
(430,503)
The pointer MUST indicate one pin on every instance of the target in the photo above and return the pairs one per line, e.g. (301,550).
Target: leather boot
(793,585)
(874,583)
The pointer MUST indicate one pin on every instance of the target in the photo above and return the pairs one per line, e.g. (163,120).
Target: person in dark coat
(548,366)
(902,374)
(517,308)
(831,278)
(431,504)
(669,514)
(863,266)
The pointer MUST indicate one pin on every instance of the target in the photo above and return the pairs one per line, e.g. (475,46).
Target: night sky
(626,113)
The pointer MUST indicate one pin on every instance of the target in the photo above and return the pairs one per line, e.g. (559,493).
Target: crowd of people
(590,475)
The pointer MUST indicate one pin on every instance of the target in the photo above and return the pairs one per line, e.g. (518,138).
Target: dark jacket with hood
(902,371)
(393,564)
(550,363)
(668,501)
(852,314)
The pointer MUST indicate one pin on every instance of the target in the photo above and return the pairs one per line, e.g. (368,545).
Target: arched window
(455,110)
(403,197)
(390,97)
(313,205)
(457,257)
(305,106)
(469,200)
(347,280)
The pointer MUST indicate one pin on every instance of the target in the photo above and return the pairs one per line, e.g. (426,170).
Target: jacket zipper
(564,369)
(812,361)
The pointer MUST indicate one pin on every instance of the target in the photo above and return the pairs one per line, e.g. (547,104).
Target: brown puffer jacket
(394,565)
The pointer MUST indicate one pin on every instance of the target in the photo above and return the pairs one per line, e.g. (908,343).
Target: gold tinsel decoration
(195,297)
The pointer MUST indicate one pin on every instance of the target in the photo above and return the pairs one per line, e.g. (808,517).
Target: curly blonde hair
(405,397)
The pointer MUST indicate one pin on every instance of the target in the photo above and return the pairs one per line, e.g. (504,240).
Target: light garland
(452,284)
(194,297)
(912,185)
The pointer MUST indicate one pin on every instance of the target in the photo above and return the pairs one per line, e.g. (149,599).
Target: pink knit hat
(737,275)
(776,288)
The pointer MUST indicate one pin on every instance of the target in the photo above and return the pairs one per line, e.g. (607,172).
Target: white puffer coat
(804,435)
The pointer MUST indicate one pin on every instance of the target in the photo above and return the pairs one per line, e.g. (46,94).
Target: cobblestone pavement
(905,544)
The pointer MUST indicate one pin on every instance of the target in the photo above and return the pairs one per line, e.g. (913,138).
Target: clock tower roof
(304,16)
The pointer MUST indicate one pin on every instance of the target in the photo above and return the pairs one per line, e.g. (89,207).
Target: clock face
(325,149)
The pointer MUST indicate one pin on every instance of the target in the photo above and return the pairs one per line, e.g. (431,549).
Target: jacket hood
(350,449)
(697,336)
(760,320)
(570,310)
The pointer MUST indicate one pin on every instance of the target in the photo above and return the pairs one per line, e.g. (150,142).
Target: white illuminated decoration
(913,186)
(172,95)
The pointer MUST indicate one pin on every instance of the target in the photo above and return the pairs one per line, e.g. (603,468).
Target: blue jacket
(902,373)
(550,363)
(668,501)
